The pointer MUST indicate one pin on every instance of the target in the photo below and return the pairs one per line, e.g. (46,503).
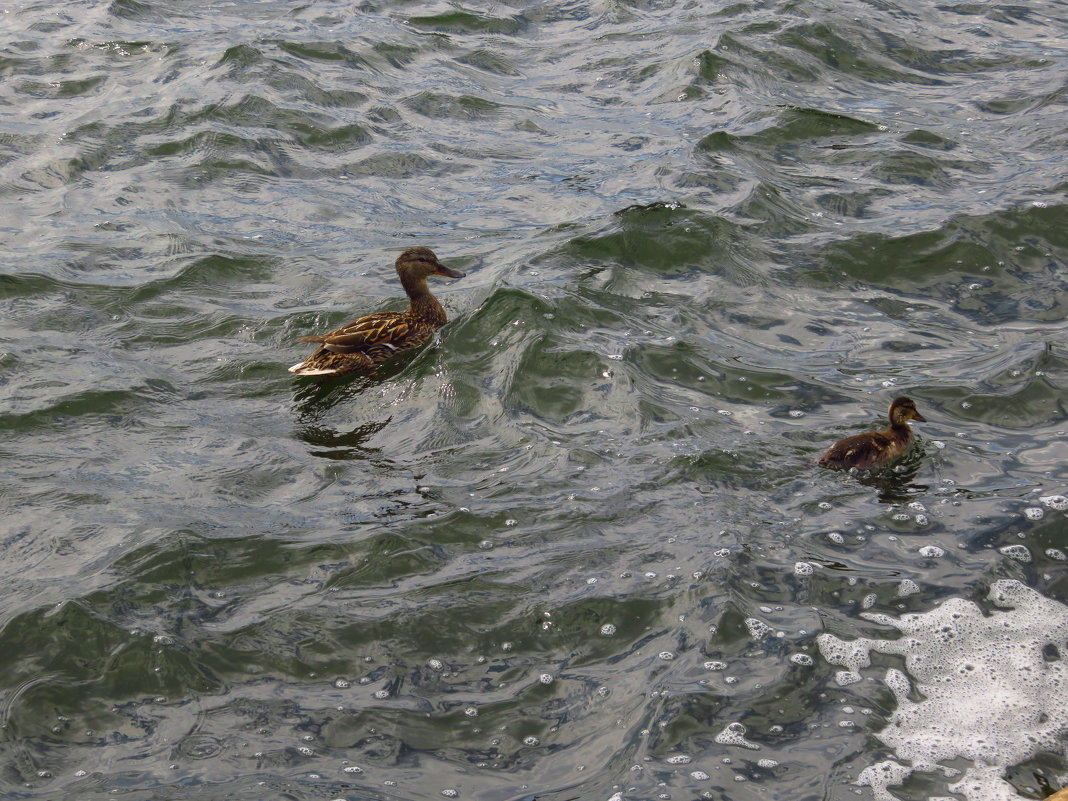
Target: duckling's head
(416,264)
(902,410)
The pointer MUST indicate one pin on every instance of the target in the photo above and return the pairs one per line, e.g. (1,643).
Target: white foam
(734,734)
(758,629)
(991,692)
(1017,552)
(1058,503)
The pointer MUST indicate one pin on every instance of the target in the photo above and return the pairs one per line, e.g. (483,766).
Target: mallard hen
(363,344)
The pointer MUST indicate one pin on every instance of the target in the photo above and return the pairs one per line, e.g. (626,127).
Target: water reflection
(895,482)
(329,443)
(314,397)
(311,402)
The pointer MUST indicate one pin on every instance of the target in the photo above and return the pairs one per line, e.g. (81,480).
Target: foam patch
(994,689)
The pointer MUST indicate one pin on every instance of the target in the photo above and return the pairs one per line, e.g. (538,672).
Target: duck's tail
(303,368)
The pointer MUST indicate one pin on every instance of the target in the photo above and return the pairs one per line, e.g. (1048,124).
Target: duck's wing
(862,451)
(359,335)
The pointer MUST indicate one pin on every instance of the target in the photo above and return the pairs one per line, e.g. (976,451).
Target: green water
(559,551)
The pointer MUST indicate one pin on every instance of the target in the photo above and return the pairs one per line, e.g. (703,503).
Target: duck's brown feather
(367,331)
(869,449)
(876,447)
(363,344)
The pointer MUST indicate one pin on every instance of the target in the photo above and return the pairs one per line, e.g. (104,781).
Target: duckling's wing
(861,451)
(359,335)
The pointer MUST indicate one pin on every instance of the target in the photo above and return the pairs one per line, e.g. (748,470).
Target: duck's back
(365,343)
(392,331)
(866,450)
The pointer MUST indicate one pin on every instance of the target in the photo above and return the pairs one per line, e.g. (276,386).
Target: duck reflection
(312,402)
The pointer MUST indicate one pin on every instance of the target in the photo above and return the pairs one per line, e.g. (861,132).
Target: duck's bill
(919,417)
(448,272)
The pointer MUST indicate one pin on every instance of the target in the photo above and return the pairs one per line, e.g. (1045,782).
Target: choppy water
(576,547)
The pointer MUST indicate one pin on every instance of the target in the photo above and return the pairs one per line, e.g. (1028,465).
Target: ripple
(199,746)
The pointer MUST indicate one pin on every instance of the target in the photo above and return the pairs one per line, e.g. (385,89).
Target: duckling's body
(875,448)
(363,344)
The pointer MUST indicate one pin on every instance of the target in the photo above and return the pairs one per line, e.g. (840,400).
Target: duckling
(363,344)
(875,448)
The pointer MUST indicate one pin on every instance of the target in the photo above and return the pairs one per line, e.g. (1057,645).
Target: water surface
(576,546)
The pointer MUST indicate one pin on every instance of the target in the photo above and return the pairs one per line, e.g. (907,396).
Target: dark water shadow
(329,443)
(316,396)
(895,482)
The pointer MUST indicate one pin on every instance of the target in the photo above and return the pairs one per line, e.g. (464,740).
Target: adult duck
(363,344)
(876,448)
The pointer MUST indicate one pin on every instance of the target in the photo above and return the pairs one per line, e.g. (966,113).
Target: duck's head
(418,263)
(902,410)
